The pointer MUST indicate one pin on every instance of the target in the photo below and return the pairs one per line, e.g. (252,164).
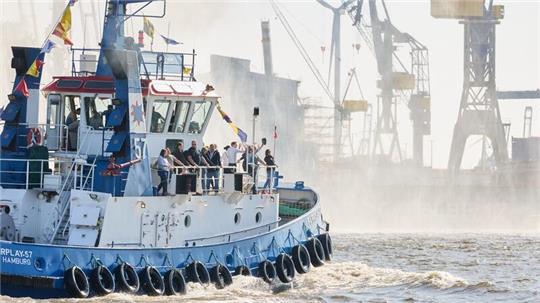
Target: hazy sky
(232,28)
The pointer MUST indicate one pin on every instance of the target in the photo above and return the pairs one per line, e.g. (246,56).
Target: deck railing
(204,182)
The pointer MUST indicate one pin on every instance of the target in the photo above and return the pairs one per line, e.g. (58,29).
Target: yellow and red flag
(63,27)
(35,68)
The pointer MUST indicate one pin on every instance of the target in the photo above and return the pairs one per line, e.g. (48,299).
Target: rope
(66,257)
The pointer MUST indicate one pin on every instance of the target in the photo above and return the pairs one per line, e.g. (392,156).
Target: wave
(333,279)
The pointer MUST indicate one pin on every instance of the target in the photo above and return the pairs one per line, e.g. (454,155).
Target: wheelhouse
(174,110)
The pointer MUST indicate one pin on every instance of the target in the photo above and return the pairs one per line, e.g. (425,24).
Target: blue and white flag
(170,41)
(49,45)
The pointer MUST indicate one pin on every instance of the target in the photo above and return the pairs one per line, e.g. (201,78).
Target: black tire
(221,276)
(326,242)
(267,271)
(102,280)
(197,273)
(127,279)
(301,259)
(76,282)
(242,270)
(285,268)
(175,284)
(316,252)
(151,281)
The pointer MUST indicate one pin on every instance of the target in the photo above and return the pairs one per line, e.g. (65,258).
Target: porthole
(237,218)
(258,217)
(39,263)
(187,221)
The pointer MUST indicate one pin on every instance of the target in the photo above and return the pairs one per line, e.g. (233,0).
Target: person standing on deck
(214,161)
(232,154)
(164,168)
(270,168)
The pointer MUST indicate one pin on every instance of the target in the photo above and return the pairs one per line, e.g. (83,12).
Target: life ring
(267,271)
(151,281)
(126,278)
(326,242)
(301,260)
(175,284)
(220,276)
(285,268)
(316,252)
(76,282)
(102,280)
(197,273)
(242,270)
(33,136)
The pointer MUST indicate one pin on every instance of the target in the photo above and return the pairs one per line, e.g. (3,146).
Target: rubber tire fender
(285,268)
(175,284)
(242,270)
(197,273)
(301,259)
(127,279)
(151,281)
(326,242)
(316,252)
(221,276)
(267,271)
(102,280)
(76,282)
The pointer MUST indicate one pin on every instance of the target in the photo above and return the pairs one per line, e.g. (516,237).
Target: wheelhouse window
(97,111)
(159,115)
(200,112)
(179,116)
(72,105)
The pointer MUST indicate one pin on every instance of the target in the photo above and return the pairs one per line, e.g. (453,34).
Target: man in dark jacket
(214,161)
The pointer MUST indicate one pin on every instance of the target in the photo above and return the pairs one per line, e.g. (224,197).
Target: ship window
(69,83)
(99,85)
(187,221)
(200,112)
(97,110)
(237,218)
(258,217)
(178,118)
(71,104)
(159,114)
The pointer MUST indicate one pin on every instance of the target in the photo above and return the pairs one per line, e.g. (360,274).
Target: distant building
(277,99)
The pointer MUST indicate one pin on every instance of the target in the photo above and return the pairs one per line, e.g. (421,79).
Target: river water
(394,268)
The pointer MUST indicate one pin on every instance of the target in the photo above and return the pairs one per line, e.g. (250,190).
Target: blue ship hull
(37,270)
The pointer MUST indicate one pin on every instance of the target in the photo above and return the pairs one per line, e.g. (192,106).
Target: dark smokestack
(267,48)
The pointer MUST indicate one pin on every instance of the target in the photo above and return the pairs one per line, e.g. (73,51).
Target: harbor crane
(479,109)
(335,52)
(397,82)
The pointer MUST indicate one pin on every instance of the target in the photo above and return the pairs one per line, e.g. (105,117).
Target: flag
(49,45)
(148,28)
(170,41)
(22,88)
(62,28)
(275,132)
(34,68)
(240,133)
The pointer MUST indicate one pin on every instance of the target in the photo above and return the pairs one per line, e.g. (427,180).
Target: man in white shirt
(232,154)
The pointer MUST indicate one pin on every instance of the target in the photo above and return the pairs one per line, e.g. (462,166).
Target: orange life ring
(33,136)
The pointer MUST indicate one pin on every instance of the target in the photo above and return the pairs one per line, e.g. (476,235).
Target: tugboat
(79,211)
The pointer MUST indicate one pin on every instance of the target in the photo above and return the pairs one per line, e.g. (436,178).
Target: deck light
(141,204)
